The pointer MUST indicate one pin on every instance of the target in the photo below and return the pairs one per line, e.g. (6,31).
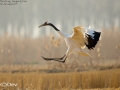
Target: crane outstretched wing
(85,37)
(79,37)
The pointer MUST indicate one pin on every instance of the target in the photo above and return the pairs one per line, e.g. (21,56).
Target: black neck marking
(53,26)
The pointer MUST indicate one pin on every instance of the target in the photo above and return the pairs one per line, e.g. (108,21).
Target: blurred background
(23,43)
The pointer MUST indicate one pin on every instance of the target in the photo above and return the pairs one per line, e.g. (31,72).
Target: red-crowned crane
(82,37)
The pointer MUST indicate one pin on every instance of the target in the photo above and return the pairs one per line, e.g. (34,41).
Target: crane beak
(41,25)
(46,23)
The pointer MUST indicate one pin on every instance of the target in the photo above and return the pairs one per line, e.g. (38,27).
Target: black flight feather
(92,41)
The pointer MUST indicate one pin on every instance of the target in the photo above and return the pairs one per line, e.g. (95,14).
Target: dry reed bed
(20,51)
(63,81)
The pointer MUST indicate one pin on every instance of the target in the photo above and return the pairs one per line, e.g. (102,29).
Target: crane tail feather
(84,54)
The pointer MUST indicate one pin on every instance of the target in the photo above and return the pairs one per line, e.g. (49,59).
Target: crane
(82,37)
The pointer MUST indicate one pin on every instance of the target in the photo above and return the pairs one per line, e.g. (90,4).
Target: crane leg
(62,59)
(55,59)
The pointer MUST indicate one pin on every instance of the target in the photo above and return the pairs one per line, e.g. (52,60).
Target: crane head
(44,24)
(49,24)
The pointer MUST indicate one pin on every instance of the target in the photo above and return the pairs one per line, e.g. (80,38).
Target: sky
(22,17)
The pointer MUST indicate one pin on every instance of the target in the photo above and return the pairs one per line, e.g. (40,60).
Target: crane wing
(92,37)
(85,37)
(79,37)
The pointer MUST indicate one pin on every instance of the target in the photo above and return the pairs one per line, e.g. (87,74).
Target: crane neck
(54,27)
(64,35)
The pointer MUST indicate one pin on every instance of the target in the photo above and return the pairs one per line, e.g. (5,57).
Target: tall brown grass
(63,81)
(24,55)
